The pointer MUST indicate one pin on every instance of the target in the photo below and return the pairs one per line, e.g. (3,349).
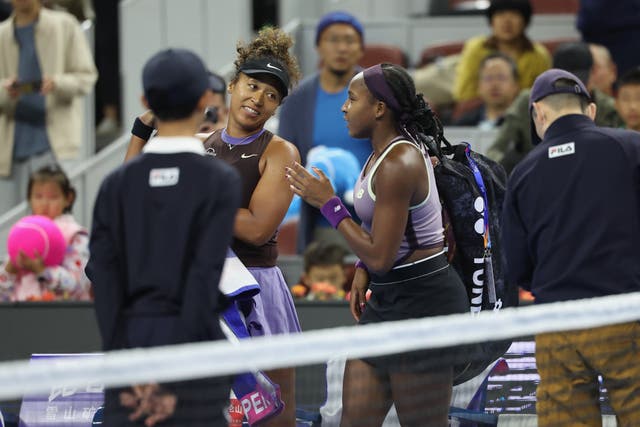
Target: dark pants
(107,54)
(200,402)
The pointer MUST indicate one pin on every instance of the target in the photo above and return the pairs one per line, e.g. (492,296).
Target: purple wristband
(334,211)
(360,264)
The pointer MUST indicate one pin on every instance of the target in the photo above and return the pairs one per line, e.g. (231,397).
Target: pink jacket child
(66,281)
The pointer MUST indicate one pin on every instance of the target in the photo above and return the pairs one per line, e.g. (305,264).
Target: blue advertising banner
(62,406)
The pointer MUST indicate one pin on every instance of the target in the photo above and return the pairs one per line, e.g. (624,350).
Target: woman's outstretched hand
(314,190)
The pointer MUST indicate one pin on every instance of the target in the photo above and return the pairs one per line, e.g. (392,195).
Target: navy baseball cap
(339,17)
(263,65)
(545,85)
(174,78)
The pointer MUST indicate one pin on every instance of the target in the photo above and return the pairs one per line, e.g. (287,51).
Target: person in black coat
(571,226)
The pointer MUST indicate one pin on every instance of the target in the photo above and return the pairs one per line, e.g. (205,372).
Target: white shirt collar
(173,144)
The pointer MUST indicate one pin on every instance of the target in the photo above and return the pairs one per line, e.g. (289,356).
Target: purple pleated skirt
(274,312)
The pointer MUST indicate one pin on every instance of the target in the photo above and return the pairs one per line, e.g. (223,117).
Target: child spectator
(324,276)
(628,99)
(50,194)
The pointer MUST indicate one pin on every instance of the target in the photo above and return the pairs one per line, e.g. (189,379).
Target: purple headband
(378,86)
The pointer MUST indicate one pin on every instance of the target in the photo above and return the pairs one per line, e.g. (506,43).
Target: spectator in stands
(497,87)
(614,24)
(162,225)
(628,99)
(46,67)
(311,115)
(81,9)
(324,276)
(604,73)
(28,279)
(571,226)
(513,141)
(509,20)
(216,114)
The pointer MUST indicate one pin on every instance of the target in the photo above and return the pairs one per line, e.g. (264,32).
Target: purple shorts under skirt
(274,312)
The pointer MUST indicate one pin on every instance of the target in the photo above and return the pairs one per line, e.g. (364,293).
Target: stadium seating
(546,7)
(377,53)
(432,52)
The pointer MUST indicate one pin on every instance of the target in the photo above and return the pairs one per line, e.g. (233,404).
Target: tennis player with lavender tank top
(400,246)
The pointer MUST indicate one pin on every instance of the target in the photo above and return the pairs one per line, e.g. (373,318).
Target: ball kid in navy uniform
(161,228)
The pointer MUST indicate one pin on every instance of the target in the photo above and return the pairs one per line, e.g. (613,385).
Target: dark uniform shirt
(246,159)
(571,217)
(162,224)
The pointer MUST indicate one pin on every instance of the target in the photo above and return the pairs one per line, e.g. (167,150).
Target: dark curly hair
(271,43)
(416,118)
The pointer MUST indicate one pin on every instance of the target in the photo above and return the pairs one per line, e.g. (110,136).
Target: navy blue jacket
(297,112)
(571,219)
(158,244)
(296,125)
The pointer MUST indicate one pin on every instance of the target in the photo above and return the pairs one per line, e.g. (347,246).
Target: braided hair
(416,118)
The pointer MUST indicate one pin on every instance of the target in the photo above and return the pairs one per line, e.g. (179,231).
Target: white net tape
(190,361)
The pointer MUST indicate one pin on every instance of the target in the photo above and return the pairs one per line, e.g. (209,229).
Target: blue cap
(339,17)
(545,85)
(174,78)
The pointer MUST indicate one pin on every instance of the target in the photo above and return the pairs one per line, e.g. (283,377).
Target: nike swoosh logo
(272,66)
(246,156)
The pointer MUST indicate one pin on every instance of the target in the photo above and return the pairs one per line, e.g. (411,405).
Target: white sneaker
(107,126)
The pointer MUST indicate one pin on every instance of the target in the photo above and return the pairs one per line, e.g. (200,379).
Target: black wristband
(141,130)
